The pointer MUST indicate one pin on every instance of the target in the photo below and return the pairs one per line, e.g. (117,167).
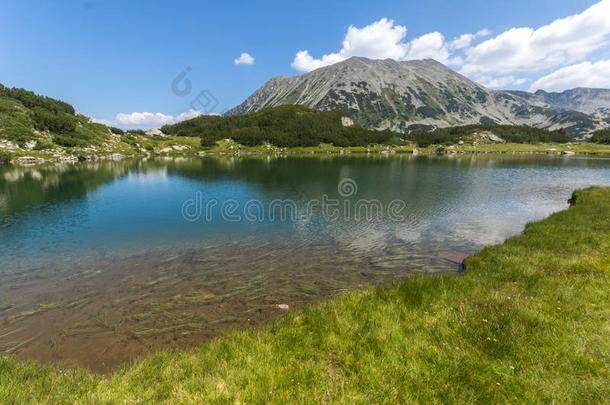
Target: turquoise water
(104,262)
(122,208)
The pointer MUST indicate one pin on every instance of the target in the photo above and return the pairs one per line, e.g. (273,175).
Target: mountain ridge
(422,94)
(582,99)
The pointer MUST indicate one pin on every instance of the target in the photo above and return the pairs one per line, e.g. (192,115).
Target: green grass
(15,123)
(190,146)
(581,148)
(528,322)
(156,143)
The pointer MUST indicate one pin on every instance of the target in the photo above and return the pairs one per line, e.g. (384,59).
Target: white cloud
(465,40)
(384,39)
(244,59)
(513,58)
(146,120)
(564,41)
(500,82)
(456,60)
(429,46)
(585,74)
(304,62)
(379,40)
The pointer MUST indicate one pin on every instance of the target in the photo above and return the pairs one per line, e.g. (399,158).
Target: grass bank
(529,321)
(578,148)
(181,146)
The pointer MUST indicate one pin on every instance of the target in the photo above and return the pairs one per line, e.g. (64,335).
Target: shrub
(602,136)
(115,130)
(510,133)
(282,126)
(136,132)
(5,158)
(22,112)
(33,100)
(46,120)
(44,144)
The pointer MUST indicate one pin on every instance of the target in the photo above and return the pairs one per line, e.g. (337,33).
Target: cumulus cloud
(244,59)
(564,41)
(512,58)
(585,74)
(147,120)
(304,62)
(465,40)
(500,82)
(429,46)
(384,39)
(380,40)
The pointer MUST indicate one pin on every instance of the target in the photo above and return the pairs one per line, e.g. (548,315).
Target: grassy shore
(580,148)
(175,146)
(529,321)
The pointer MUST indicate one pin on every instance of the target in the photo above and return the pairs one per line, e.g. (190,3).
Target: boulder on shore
(155,132)
(29,160)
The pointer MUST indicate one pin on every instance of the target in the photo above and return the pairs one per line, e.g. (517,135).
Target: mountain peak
(407,95)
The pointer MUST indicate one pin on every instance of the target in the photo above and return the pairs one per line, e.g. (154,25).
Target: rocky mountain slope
(585,100)
(410,95)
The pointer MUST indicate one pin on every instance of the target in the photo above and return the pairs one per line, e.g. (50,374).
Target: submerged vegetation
(527,322)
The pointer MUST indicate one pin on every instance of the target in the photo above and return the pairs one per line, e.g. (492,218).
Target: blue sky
(113,57)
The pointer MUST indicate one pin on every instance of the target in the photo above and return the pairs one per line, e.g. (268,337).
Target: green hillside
(284,126)
(37,122)
(45,129)
(508,133)
(602,136)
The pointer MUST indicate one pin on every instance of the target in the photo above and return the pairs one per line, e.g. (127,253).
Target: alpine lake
(104,262)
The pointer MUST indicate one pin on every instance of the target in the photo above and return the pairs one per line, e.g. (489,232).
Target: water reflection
(121,208)
(27,188)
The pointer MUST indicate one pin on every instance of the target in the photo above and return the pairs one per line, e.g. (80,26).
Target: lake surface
(103,262)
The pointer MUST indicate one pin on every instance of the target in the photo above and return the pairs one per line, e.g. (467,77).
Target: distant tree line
(283,126)
(32,100)
(293,125)
(116,130)
(510,133)
(602,136)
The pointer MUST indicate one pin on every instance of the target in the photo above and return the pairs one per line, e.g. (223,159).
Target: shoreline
(212,312)
(177,147)
(509,319)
